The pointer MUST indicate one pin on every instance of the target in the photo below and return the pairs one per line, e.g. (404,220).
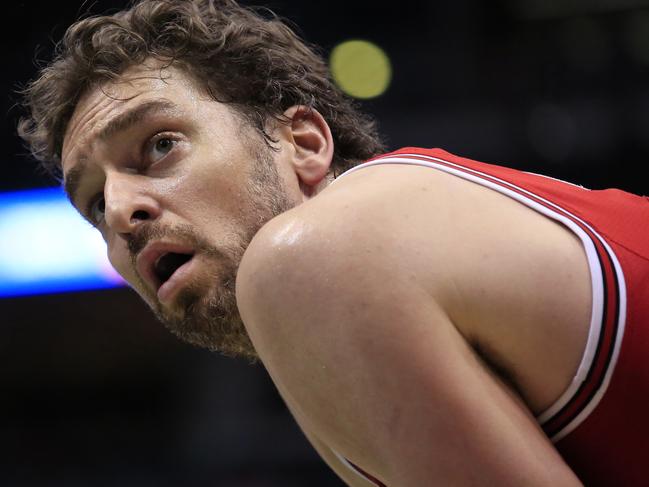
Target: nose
(129,202)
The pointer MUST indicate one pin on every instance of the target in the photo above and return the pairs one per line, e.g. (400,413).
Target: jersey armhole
(608,294)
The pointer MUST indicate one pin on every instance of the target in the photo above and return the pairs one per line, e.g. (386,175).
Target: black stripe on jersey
(556,429)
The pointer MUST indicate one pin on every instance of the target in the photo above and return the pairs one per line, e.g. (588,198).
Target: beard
(205,313)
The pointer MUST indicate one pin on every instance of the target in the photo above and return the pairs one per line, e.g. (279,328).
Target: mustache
(155,231)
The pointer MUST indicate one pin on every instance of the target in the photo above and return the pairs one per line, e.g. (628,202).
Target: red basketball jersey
(600,425)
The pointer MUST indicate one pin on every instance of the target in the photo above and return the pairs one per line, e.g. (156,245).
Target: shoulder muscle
(365,355)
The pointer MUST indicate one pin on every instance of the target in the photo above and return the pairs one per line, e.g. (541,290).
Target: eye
(97,209)
(159,147)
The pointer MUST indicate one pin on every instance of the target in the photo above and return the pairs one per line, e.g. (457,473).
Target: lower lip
(177,281)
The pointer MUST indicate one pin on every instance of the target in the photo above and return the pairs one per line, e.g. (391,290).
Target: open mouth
(165,267)
(167,264)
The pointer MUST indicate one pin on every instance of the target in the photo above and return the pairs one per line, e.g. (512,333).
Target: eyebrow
(120,123)
(126,120)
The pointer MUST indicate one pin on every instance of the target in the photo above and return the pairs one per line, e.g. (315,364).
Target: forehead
(105,102)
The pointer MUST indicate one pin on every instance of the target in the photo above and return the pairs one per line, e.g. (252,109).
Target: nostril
(139,215)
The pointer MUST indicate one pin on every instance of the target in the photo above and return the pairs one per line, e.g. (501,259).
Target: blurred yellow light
(361,69)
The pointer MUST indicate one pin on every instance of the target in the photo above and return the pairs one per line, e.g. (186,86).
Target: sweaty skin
(367,300)
(391,279)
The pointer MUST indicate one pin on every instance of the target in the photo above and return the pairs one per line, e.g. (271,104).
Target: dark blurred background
(93,392)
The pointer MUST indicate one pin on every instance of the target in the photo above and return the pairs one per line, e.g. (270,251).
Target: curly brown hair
(242,56)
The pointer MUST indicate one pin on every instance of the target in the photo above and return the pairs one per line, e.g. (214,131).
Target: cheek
(119,258)
(215,193)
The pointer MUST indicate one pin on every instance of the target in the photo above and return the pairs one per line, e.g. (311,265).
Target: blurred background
(94,392)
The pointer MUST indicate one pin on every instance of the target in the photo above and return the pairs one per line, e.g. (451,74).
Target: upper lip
(148,257)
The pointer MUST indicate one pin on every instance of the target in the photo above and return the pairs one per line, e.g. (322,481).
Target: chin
(209,318)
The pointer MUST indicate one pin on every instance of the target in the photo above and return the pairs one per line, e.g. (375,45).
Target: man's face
(178,185)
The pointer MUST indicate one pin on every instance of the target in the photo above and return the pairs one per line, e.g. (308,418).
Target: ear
(313,146)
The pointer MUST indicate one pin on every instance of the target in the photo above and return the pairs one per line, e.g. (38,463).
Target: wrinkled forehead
(106,100)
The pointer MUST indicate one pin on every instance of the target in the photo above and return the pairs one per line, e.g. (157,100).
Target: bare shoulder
(366,304)
(357,226)
(312,251)
(371,213)
(513,282)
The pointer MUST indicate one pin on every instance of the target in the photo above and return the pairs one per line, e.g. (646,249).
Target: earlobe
(312,143)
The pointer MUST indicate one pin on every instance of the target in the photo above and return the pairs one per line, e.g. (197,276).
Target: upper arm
(365,354)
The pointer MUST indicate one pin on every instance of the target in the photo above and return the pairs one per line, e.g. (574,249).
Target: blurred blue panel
(46,247)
